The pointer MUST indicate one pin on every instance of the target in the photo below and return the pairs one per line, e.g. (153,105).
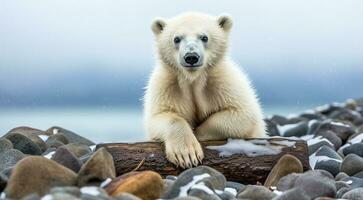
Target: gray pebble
(355,194)
(352,164)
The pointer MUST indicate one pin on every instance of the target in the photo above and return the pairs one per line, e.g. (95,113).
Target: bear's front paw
(184,154)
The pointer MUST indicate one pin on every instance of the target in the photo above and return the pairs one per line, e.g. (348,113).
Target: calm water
(100,124)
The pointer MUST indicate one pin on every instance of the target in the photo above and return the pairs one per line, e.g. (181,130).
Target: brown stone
(97,169)
(147,185)
(287,164)
(36,174)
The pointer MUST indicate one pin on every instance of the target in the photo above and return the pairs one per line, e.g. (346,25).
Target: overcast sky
(45,38)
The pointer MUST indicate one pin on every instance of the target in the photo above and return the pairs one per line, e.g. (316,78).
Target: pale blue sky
(47,44)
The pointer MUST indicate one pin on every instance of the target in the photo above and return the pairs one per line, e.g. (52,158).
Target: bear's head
(193,41)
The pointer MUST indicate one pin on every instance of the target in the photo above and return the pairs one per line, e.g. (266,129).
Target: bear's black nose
(191,58)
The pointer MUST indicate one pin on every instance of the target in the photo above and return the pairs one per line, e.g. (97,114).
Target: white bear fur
(215,102)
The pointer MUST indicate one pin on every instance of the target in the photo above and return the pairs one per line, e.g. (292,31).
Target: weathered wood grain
(237,167)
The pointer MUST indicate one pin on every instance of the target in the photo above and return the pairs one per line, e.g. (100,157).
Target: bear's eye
(177,40)
(204,38)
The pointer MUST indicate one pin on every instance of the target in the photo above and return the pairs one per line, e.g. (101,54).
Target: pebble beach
(57,164)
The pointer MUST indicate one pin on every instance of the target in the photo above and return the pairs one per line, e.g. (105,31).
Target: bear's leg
(181,146)
(230,124)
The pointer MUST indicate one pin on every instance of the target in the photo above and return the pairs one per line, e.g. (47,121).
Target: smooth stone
(226,195)
(61,137)
(167,184)
(332,137)
(94,193)
(296,119)
(97,169)
(359,129)
(5,144)
(352,164)
(255,192)
(66,158)
(57,140)
(354,138)
(202,194)
(198,175)
(355,194)
(359,174)
(280,120)
(126,196)
(86,157)
(345,115)
(237,186)
(146,185)
(187,198)
(341,184)
(340,176)
(311,116)
(354,182)
(299,130)
(342,130)
(9,158)
(71,136)
(36,174)
(31,197)
(317,184)
(26,130)
(330,166)
(342,191)
(293,194)
(78,149)
(356,149)
(287,182)
(3,182)
(72,190)
(313,148)
(287,164)
(171,177)
(32,134)
(326,151)
(24,144)
(60,196)
(271,128)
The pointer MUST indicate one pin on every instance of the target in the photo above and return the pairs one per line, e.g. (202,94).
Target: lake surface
(99,124)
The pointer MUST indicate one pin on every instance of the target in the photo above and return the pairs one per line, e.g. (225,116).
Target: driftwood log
(237,167)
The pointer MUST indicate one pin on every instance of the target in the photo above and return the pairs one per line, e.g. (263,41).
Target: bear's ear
(158,25)
(225,22)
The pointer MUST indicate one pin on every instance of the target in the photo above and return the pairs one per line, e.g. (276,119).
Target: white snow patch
(249,148)
(44,137)
(292,115)
(202,186)
(184,189)
(284,143)
(231,190)
(307,137)
(3,195)
(105,182)
(310,111)
(313,159)
(47,197)
(282,129)
(311,122)
(91,190)
(55,131)
(357,139)
(151,155)
(49,155)
(277,192)
(218,191)
(317,140)
(92,147)
(349,182)
(339,124)
(338,104)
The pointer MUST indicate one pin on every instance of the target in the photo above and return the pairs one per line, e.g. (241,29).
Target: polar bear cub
(196,93)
